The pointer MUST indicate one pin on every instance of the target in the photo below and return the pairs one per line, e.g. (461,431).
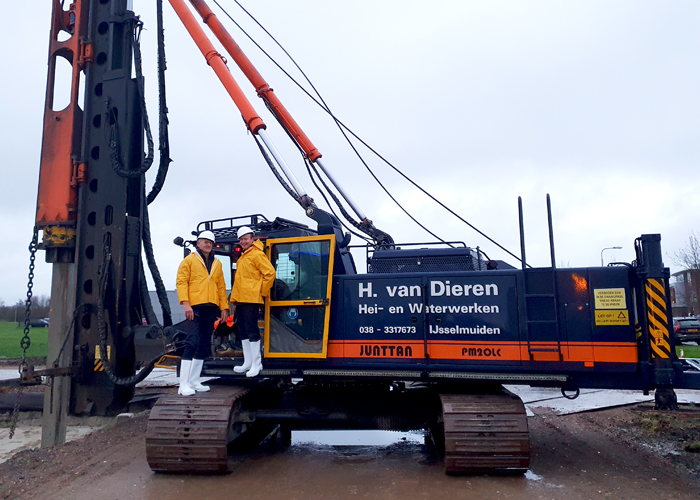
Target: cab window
(302,270)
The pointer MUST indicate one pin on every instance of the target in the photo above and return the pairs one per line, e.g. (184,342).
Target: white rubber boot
(195,379)
(256,358)
(247,361)
(185,367)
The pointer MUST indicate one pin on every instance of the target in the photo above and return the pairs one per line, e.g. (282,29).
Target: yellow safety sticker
(109,352)
(610,298)
(616,317)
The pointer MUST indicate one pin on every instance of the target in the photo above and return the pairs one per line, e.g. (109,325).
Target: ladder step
(539,295)
(540,321)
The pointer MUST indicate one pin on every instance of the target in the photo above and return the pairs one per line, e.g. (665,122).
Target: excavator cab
(297,312)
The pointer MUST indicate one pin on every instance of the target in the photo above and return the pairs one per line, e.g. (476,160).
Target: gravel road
(624,453)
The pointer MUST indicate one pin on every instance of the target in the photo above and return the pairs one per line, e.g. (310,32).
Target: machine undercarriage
(479,429)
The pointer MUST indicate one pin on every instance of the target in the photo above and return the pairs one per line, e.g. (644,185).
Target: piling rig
(425,339)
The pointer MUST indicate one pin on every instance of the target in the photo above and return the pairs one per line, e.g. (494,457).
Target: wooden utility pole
(60,354)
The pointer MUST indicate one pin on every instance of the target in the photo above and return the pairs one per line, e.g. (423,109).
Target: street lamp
(603,250)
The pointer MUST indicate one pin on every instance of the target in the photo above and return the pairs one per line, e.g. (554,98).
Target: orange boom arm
(214,59)
(261,86)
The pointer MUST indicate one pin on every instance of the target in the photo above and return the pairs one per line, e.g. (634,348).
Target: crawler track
(485,433)
(191,434)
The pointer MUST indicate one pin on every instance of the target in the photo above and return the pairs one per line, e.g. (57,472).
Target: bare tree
(688,258)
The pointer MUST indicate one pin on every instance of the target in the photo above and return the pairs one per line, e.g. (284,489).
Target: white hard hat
(207,235)
(244,230)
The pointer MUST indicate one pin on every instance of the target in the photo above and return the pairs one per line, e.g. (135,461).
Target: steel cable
(325,107)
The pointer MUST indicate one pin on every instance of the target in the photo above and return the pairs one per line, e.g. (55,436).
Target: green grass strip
(10,336)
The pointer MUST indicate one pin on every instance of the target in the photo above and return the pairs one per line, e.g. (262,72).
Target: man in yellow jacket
(254,279)
(202,292)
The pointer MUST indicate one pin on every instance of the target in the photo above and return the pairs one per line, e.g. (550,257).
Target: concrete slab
(589,399)
(9,373)
(164,377)
(595,400)
(28,437)
(159,377)
(534,394)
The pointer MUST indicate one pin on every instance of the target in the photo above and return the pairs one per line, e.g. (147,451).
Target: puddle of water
(536,477)
(532,476)
(356,438)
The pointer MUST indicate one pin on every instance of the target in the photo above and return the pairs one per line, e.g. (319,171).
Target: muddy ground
(626,453)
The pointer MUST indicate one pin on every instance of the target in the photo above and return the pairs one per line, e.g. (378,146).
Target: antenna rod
(551,231)
(522,232)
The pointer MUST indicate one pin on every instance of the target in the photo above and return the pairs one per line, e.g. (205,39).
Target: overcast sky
(594,102)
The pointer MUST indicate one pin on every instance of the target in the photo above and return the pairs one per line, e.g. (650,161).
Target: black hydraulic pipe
(30,401)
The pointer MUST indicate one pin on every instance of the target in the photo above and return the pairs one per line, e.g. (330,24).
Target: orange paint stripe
(576,352)
(604,354)
(471,351)
(384,350)
(380,342)
(335,350)
(475,342)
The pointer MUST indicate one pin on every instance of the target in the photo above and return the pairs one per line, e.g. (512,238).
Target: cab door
(297,312)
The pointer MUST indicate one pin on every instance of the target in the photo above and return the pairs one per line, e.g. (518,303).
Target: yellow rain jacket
(197,286)
(254,276)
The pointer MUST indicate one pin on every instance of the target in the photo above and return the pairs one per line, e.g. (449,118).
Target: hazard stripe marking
(658,284)
(658,318)
(653,308)
(656,324)
(658,351)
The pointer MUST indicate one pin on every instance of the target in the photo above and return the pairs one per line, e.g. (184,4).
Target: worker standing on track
(202,292)
(254,279)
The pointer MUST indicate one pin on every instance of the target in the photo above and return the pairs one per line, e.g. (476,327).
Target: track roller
(485,433)
(191,434)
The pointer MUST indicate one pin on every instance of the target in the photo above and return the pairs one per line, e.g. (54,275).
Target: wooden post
(57,396)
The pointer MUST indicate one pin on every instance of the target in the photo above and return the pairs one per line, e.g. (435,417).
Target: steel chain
(26,341)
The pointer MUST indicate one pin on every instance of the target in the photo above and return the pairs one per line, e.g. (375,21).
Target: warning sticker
(109,352)
(618,317)
(610,298)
